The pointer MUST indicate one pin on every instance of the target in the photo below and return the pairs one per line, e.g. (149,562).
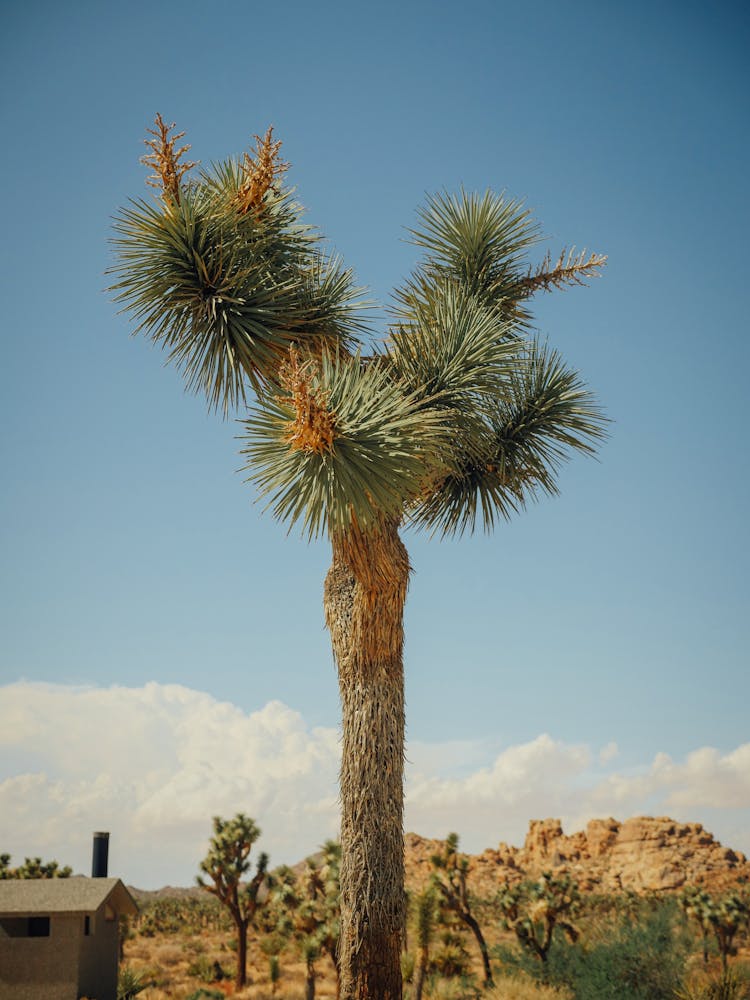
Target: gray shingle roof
(23,897)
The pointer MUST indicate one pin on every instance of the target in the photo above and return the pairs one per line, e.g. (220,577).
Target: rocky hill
(642,854)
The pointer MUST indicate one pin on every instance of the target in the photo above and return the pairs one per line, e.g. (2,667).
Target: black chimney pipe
(101,855)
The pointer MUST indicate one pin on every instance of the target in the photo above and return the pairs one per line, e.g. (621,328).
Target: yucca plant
(459,418)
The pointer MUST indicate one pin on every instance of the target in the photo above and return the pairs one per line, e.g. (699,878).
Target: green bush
(130,983)
(454,988)
(641,957)
(206,970)
(407,967)
(202,994)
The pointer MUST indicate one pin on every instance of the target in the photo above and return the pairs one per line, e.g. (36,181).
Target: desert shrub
(455,988)
(168,954)
(130,983)
(632,958)
(408,964)
(177,916)
(451,960)
(194,946)
(523,988)
(207,971)
(731,985)
(202,994)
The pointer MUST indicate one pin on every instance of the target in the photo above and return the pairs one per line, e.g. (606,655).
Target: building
(59,937)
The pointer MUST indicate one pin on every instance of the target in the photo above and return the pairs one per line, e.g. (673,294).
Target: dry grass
(138,950)
(165,960)
(168,955)
(517,988)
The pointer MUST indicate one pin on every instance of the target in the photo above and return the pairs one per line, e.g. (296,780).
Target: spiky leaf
(355,448)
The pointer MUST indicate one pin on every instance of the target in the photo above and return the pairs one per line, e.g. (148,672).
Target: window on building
(38,926)
(24,927)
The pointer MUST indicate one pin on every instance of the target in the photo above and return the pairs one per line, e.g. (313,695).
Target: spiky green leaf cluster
(517,410)
(461,419)
(507,459)
(227,293)
(384,450)
(478,242)
(452,350)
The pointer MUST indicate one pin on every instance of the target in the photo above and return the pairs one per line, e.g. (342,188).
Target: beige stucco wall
(43,968)
(97,976)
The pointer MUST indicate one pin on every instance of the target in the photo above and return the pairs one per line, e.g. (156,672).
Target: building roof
(24,897)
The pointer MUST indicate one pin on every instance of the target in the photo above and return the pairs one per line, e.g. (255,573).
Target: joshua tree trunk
(477,932)
(310,981)
(420,974)
(365,593)
(241,976)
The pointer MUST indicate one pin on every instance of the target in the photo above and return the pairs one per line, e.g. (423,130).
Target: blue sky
(613,618)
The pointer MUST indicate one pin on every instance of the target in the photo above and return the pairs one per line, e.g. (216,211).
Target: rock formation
(643,854)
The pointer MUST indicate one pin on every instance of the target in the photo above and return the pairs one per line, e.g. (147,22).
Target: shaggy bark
(365,593)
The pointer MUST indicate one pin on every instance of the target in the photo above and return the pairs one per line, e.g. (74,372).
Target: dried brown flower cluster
(165,159)
(314,426)
(260,172)
(567,270)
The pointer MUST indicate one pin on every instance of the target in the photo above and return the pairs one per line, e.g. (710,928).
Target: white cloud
(704,780)
(496,801)
(153,764)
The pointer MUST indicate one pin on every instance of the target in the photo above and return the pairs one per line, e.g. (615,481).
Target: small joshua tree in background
(305,907)
(698,904)
(724,917)
(729,915)
(228,859)
(450,871)
(534,909)
(33,868)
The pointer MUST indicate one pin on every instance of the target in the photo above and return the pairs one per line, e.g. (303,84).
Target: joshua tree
(533,910)
(450,872)
(698,904)
(459,417)
(306,908)
(227,861)
(724,917)
(33,868)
